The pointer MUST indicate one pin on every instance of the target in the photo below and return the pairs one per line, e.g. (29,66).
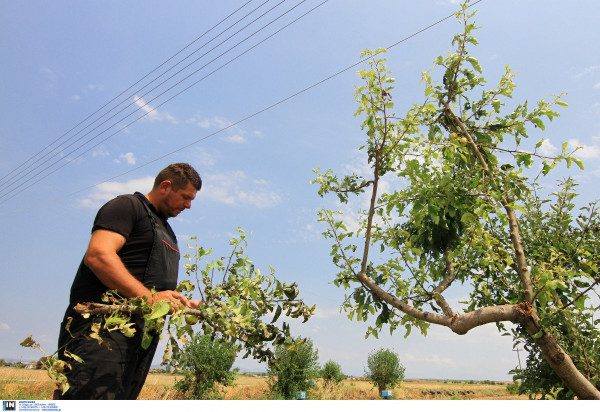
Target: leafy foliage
(206,362)
(462,207)
(297,365)
(237,301)
(240,305)
(331,373)
(384,369)
(54,366)
(567,240)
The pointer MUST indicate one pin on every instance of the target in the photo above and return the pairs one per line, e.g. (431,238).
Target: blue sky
(63,60)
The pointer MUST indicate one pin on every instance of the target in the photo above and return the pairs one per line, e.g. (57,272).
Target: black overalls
(118,370)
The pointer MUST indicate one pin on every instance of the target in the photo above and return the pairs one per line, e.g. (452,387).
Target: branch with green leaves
(459,207)
(244,307)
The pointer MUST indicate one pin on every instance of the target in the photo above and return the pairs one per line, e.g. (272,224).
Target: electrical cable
(6,188)
(16,180)
(39,178)
(25,163)
(245,118)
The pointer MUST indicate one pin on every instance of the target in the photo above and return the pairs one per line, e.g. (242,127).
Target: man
(132,250)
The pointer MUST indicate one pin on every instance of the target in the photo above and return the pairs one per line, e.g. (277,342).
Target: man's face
(174,202)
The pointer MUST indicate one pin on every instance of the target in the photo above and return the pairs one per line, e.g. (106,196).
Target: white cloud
(323,313)
(587,70)
(109,190)
(128,157)
(235,138)
(205,157)
(596,86)
(5,327)
(585,151)
(100,153)
(236,133)
(548,149)
(236,188)
(93,88)
(152,114)
(51,77)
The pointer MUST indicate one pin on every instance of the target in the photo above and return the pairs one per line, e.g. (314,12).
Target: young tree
(206,362)
(384,369)
(331,373)
(240,305)
(463,210)
(295,366)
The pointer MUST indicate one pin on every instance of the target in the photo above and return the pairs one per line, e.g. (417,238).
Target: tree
(384,369)
(331,373)
(562,234)
(236,301)
(463,209)
(206,362)
(296,365)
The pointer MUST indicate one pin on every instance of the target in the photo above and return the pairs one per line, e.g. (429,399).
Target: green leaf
(519,208)
(159,309)
(146,341)
(475,63)
(578,162)
(29,343)
(538,123)
(277,314)
(73,356)
(496,103)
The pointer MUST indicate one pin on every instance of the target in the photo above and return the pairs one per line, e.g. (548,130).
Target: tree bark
(93,308)
(521,314)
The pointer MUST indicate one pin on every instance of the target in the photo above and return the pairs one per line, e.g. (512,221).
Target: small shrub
(384,369)
(206,362)
(331,373)
(293,369)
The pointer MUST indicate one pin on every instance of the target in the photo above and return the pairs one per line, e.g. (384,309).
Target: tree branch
(521,314)
(445,284)
(513,222)
(93,308)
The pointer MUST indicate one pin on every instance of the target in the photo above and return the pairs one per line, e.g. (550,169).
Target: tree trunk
(521,314)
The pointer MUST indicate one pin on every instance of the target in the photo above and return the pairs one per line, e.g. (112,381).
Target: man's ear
(165,186)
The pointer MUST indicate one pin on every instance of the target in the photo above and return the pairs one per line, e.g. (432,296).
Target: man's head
(174,189)
(179,174)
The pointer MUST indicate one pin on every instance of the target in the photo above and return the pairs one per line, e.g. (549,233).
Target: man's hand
(176,299)
(193,303)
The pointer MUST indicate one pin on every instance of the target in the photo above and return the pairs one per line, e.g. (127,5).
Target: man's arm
(101,257)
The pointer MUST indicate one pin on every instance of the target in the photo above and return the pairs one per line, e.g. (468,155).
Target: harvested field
(35,384)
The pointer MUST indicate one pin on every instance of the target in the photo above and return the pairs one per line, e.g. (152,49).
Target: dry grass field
(21,384)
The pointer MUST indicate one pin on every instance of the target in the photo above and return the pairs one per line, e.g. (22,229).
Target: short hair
(180,174)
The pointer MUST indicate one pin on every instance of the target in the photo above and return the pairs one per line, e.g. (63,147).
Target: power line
(40,176)
(302,91)
(6,188)
(26,162)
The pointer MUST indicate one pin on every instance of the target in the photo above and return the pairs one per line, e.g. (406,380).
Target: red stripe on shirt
(167,243)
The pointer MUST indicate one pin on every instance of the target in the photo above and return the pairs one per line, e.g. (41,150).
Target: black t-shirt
(127,216)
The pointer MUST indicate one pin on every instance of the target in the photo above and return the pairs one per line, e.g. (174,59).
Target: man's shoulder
(120,214)
(128,201)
